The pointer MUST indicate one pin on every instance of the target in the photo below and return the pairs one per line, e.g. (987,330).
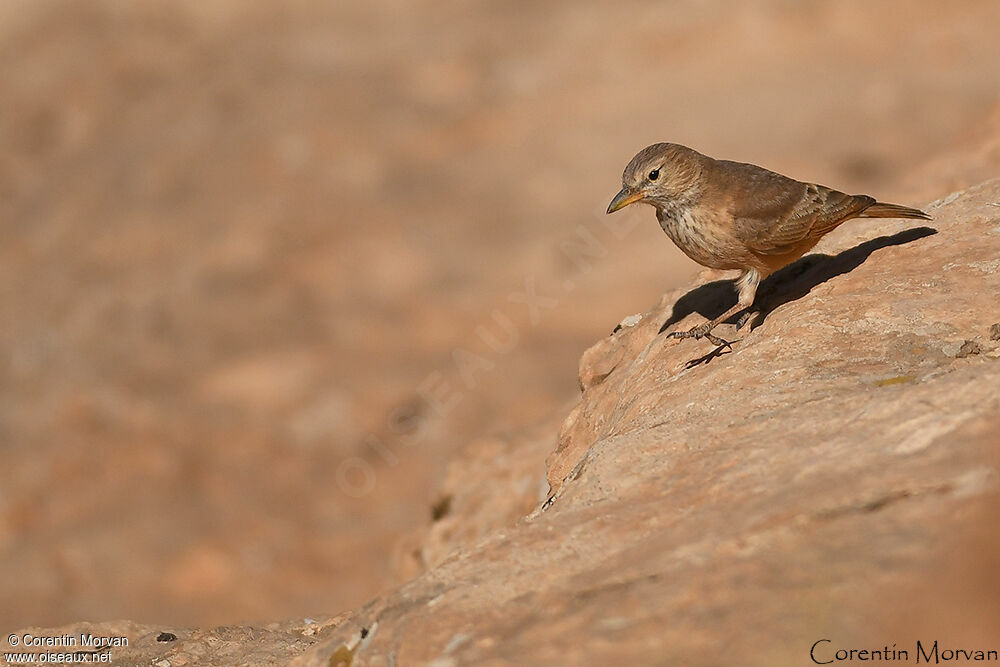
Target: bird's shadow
(789,284)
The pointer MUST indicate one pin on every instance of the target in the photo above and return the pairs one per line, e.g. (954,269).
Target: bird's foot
(699,332)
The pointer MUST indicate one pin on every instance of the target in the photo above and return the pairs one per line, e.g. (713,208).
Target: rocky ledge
(832,477)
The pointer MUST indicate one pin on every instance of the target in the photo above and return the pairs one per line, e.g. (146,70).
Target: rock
(218,647)
(492,484)
(711,507)
(831,303)
(968,349)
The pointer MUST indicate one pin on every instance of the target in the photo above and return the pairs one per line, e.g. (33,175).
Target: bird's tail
(883,210)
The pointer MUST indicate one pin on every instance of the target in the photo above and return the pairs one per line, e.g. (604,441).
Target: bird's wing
(772,214)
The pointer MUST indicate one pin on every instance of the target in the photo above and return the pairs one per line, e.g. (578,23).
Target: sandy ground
(264,270)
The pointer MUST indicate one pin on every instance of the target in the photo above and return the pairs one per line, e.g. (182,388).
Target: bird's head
(658,174)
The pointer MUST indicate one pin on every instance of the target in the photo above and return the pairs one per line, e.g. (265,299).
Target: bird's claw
(721,342)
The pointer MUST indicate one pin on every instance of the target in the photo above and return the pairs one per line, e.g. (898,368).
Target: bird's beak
(623,199)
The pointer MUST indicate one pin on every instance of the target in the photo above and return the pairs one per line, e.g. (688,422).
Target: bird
(738,216)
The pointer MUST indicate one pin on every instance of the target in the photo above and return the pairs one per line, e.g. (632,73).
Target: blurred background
(251,253)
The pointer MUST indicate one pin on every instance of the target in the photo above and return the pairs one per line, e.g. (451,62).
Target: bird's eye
(655,174)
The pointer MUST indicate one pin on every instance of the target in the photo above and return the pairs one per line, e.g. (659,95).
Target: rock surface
(820,480)
(163,646)
(710,507)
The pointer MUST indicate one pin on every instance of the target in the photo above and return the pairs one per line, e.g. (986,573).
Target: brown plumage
(732,215)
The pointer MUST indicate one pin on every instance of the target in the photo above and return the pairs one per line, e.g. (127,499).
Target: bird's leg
(705,330)
(744,318)
(747,286)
